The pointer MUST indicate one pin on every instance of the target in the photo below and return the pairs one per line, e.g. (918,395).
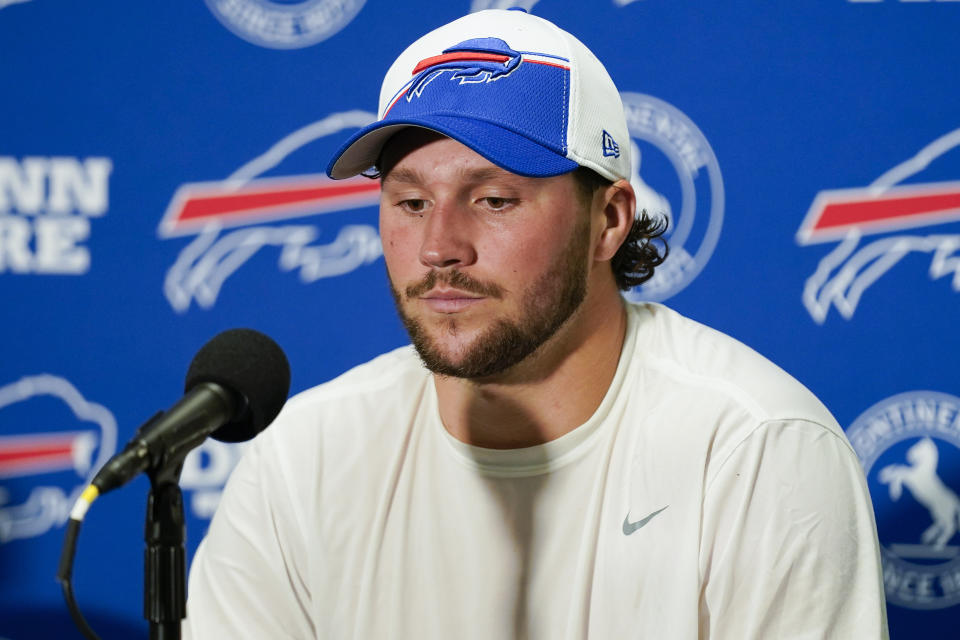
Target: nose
(447,240)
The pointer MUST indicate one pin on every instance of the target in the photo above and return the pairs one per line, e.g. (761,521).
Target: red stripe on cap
(459,55)
(558,65)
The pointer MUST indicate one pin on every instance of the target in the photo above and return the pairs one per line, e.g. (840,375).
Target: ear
(617,207)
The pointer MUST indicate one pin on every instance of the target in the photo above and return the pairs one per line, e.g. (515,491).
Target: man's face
(484,265)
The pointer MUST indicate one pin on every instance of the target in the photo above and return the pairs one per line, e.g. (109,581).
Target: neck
(549,394)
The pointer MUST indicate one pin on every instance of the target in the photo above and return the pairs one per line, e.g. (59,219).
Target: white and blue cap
(513,87)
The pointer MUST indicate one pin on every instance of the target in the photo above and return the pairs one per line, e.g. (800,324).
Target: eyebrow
(410,176)
(406,176)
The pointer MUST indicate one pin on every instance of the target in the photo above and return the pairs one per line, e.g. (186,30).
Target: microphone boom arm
(200,412)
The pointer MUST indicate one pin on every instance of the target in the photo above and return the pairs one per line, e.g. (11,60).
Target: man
(555,463)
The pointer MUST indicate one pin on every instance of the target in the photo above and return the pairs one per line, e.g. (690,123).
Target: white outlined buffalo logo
(26,454)
(208,210)
(887,205)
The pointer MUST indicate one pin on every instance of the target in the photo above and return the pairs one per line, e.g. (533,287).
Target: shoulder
(694,356)
(395,371)
(355,410)
(719,395)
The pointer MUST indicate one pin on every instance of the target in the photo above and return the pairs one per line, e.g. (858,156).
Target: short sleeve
(789,546)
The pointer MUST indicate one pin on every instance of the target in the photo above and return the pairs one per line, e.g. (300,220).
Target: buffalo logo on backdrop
(52,441)
(675,175)
(909,446)
(206,210)
(46,205)
(884,211)
(285,24)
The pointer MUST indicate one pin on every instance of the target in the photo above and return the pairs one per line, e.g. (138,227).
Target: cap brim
(511,151)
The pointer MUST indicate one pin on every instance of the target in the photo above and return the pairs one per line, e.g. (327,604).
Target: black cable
(64,575)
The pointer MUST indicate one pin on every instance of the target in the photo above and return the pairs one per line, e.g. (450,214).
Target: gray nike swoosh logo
(631,527)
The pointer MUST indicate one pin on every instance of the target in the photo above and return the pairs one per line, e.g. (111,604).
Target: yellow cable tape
(90,494)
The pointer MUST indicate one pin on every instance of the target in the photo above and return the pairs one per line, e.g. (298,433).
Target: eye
(413,205)
(497,203)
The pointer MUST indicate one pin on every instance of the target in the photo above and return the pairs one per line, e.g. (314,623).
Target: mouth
(450,300)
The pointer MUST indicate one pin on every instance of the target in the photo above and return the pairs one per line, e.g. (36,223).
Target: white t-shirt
(710,496)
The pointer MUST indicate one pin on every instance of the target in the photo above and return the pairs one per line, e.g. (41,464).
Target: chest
(604,545)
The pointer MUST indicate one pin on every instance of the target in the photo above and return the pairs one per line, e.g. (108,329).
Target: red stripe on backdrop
(885,208)
(218,205)
(28,453)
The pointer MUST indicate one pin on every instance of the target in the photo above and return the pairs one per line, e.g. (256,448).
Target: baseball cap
(515,88)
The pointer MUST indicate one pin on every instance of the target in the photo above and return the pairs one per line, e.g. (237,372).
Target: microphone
(235,386)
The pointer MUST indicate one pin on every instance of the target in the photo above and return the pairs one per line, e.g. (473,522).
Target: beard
(545,306)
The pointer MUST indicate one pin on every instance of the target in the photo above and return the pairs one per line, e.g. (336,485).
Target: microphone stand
(164,559)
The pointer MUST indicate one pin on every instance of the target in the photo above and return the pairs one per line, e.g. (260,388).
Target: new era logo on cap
(610,146)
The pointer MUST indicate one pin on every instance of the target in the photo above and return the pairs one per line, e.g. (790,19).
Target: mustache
(455,279)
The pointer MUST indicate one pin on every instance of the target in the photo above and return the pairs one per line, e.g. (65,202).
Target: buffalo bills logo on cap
(471,61)
(509,104)
(476,62)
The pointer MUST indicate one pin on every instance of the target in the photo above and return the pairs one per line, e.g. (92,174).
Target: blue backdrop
(159,182)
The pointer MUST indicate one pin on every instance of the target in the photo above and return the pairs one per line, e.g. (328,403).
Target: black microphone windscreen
(250,364)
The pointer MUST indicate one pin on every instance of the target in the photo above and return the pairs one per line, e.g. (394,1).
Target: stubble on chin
(546,306)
